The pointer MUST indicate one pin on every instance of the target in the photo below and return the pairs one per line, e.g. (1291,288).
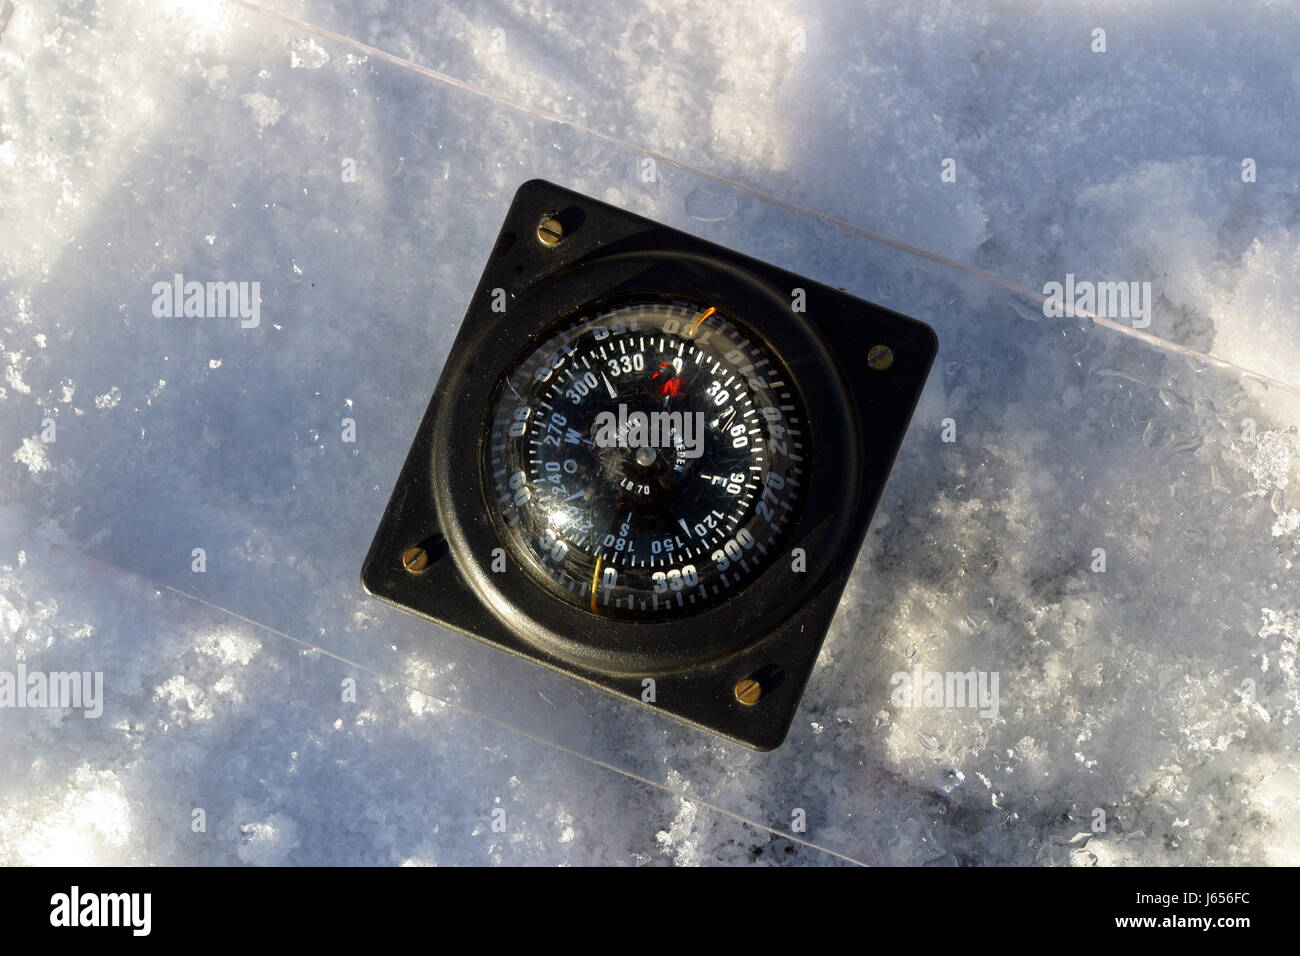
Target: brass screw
(415,559)
(748,691)
(880,357)
(549,232)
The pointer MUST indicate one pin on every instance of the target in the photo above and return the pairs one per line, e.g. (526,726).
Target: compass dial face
(646,460)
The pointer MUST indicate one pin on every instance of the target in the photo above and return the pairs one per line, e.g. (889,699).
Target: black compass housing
(738,666)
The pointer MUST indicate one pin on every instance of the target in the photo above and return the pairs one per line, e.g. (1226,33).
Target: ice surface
(210,140)
(212,713)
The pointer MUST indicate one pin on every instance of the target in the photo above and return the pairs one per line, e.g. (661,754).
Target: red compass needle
(672,385)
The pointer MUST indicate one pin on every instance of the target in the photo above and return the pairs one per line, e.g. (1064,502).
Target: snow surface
(167,136)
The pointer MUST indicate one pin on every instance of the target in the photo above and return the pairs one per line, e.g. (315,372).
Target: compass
(646,460)
(649,463)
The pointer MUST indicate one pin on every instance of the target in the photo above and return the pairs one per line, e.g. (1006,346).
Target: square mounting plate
(413,565)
